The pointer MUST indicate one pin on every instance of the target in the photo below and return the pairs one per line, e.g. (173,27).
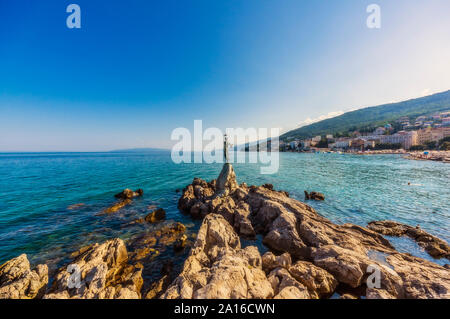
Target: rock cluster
(436,247)
(343,256)
(310,257)
(18,281)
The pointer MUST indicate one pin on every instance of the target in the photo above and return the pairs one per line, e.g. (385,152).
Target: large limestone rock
(434,246)
(270,261)
(286,287)
(218,267)
(318,281)
(104,274)
(18,281)
(421,279)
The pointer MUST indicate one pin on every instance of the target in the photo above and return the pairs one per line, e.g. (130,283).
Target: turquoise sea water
(36,190)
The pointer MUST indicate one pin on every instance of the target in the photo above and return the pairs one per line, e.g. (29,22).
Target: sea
(51,204)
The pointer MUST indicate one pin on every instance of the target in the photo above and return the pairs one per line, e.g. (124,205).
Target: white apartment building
(406,139)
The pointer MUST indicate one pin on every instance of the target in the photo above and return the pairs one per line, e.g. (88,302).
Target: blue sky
(136,70)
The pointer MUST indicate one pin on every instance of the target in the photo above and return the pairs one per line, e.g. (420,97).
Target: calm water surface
(37,189)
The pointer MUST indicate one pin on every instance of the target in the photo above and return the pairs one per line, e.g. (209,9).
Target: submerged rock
(156,215)
(103,274)
(125,198)
(75,206)
(114,208)
(434,246)
(146,246)
(19,281)
(180,243)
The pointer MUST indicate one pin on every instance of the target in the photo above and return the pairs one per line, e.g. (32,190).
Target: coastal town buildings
(405,132)
(432,134)
(446,121)
(379,131)
(357,144)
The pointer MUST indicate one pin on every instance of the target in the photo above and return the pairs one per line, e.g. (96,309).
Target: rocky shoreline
(309,257)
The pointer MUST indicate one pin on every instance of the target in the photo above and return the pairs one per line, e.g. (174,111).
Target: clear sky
(136,70)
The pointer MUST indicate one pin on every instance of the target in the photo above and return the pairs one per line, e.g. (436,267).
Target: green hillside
(370,117)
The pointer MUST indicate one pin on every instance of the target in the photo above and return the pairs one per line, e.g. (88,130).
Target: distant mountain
(139,150)
(372,116)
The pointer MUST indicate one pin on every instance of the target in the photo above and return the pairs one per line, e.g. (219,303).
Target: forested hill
(372,116)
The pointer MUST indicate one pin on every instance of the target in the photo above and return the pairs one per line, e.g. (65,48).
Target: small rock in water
(128,193)
(314,196)
(156,215)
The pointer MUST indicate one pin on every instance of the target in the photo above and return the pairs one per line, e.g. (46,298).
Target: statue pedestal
(226,182)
